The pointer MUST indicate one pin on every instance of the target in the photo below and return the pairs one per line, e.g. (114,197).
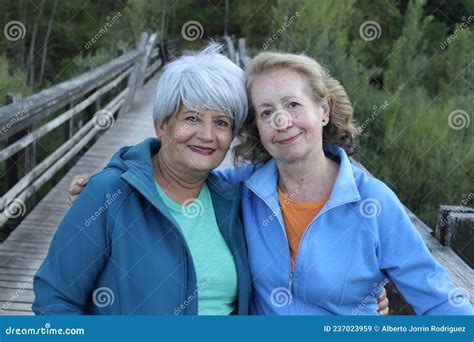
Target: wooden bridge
(98,111)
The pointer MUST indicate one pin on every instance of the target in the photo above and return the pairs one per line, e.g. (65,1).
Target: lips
(202,150)
(289,140)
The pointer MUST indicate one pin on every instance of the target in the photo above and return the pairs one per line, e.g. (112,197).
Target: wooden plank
(12,284)
(48,101)
(17,295)
(11,278)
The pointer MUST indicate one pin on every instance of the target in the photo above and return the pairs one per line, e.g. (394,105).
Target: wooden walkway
(24,250)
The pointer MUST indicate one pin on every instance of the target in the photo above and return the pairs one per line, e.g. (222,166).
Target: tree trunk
(45,42)
(31,55)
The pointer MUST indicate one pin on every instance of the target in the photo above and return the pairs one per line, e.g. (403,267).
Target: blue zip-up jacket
(118,250)
(361,238)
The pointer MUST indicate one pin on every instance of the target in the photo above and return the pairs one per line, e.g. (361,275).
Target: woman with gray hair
(169,240)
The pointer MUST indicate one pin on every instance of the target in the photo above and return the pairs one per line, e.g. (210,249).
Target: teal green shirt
(216,272)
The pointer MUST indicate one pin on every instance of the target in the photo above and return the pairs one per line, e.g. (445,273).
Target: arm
(77,254)
(236,174)
(404,256)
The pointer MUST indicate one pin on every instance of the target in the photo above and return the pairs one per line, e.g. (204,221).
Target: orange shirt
(297,216)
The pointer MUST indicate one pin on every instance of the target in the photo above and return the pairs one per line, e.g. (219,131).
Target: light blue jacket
(361,238)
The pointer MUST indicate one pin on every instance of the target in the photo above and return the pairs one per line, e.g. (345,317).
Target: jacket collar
(140,174)
(264,181)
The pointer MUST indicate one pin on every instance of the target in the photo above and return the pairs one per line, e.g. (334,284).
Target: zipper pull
(291,282)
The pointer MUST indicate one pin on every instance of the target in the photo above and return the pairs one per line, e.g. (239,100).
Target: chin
(203,165)
(291,155)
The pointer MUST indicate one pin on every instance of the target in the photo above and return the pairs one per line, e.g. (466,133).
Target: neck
(309,179)
(178,186)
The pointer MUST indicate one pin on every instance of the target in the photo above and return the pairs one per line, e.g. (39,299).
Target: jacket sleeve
(404,256)
(78,252)
(235,175)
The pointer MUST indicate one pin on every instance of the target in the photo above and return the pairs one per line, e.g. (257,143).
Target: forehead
(276,84)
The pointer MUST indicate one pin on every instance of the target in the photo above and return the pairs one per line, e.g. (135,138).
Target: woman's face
(289,121)
(195,141)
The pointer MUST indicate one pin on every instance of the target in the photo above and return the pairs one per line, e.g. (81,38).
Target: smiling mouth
(289,140)
(202,150)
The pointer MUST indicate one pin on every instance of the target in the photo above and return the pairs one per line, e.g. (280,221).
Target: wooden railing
(77,101)
(451,229)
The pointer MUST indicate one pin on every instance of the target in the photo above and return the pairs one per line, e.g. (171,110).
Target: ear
(326,104)
(160,128)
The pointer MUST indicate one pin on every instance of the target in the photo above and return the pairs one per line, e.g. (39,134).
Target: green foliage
(11,80)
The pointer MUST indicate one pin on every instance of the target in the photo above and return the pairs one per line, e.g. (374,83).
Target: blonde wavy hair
(340,130)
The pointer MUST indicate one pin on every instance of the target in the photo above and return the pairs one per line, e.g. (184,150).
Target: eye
(293,104)
(191,119)
(266,113)
(222,123)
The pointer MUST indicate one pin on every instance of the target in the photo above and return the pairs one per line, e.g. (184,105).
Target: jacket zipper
(291,275)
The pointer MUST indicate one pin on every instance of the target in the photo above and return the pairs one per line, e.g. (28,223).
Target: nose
(282,120)
(205,132)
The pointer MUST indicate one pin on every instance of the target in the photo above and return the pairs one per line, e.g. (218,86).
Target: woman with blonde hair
(319,230)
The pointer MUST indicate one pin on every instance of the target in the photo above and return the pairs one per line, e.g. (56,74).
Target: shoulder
(237,174)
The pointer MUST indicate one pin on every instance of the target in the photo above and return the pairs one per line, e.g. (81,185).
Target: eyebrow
(286,98)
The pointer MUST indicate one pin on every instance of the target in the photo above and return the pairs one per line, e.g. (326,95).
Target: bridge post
(24,160)
(455,229)
(133,78)
(146,59)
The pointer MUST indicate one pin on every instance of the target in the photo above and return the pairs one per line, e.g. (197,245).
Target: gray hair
(208,80)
